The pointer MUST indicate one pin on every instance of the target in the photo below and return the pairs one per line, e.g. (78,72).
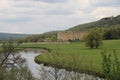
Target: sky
(39,16)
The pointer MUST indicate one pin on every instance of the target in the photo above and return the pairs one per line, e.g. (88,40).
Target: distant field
(75,56)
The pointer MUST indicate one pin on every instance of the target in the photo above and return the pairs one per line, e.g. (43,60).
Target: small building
(67,35)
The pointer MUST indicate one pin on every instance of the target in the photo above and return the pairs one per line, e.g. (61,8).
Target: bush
(111,66)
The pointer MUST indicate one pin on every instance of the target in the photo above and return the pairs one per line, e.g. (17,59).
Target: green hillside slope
(105,22)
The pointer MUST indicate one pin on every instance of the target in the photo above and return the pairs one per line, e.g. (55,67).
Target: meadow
(75,55)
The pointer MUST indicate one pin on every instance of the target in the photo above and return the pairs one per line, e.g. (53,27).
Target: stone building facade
(66,36)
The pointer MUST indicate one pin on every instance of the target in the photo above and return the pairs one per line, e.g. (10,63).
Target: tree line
(111,33)
(95,36)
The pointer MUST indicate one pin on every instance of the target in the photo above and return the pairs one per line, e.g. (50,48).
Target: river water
(49,73)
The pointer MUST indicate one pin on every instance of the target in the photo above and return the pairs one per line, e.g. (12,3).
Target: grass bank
(75,56)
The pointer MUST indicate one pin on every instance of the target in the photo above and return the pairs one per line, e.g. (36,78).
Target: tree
(93,38)
(53,38)
(7,49)
(12,66)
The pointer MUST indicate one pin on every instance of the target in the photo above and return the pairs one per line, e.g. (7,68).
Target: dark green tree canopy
(111,33)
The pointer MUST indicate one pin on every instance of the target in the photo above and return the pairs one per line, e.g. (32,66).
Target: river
(49,73)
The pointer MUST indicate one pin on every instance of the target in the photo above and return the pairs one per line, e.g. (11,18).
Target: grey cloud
(60,12)
(52,1)
(47,1)
(107,3)
(23,6)
(16,20)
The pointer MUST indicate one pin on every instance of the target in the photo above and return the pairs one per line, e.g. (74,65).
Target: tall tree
(93,38)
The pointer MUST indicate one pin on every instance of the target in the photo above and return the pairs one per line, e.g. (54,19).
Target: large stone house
(66,36)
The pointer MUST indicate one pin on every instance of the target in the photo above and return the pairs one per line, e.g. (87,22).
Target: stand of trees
(111,33)
(40,38)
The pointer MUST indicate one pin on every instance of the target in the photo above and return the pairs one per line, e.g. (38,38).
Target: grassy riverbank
(75,56)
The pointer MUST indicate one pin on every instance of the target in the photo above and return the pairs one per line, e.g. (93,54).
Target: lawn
(75,56)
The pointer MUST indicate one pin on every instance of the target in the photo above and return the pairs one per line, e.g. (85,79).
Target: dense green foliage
(75,55)
(33,38)
(111,66)
(111,33)
(93,38)
(103,23)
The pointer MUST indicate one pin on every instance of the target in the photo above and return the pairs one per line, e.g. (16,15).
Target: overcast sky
(39,16)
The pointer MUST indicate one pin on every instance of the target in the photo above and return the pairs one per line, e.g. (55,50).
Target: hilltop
(106,22)
(102,23)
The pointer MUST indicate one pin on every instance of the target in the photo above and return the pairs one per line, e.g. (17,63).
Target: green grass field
(75,56)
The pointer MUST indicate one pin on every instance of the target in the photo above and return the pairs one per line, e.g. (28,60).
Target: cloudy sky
(39,16)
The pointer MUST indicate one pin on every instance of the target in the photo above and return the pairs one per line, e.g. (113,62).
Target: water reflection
(29,56)
(49,73)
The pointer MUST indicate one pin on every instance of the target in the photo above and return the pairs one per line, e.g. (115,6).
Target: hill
(4,36)
(104,22)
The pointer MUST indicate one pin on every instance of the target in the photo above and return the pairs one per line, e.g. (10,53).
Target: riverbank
(75,56)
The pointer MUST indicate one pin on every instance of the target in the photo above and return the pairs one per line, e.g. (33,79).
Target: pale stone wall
(66,36)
